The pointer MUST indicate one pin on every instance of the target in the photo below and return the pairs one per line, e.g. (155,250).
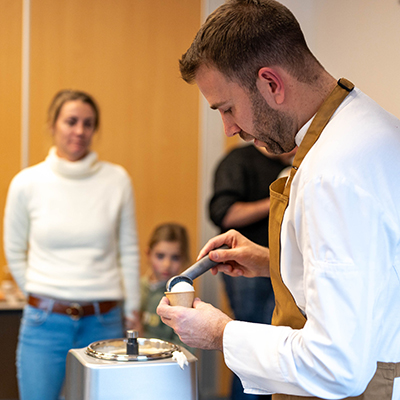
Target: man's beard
(275,128)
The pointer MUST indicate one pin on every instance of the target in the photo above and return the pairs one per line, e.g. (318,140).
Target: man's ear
(271,86)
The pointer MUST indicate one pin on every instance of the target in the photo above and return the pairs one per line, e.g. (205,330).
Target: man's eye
(160,256)
(176,258)
(228,111)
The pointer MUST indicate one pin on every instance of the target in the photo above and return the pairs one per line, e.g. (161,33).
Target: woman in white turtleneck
(71,245)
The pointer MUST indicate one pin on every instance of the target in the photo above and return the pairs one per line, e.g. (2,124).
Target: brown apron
(286,312)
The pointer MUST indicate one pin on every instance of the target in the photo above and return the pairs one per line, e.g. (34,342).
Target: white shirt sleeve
(16,231)
(129,252)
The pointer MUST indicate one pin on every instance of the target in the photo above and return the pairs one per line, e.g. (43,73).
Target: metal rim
(165,350)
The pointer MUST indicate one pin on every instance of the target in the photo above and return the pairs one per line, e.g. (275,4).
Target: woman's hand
(243,258)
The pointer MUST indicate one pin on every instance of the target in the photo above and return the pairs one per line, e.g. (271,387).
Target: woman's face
(74,129)
(166,260)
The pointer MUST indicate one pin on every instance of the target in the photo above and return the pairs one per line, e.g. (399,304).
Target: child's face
(165,259)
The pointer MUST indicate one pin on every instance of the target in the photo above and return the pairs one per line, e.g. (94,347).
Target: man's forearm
(245,213)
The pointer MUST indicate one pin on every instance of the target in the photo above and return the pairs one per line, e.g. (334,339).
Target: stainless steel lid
(116,350)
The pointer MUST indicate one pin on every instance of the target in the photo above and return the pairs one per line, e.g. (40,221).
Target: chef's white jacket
(340,260)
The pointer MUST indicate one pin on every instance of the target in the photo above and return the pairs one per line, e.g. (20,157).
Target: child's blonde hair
(172,232)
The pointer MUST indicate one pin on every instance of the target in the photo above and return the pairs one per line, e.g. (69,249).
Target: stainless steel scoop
(197,269)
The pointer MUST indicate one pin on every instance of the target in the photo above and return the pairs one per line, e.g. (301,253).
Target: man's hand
(201,326)
(243,258)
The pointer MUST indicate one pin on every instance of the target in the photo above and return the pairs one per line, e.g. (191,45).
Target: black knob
(132,345)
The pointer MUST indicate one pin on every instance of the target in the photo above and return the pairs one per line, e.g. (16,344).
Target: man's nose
(230,128)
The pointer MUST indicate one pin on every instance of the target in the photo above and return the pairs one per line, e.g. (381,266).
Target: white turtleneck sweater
(70,231)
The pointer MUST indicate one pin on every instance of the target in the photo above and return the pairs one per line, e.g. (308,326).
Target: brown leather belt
(74,309)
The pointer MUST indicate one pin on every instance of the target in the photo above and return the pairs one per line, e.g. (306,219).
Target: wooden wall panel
(125,53)
(10,99)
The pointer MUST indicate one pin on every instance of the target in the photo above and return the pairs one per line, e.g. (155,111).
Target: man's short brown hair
(242,36)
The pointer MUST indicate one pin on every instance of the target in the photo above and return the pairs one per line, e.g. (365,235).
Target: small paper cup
(184,299)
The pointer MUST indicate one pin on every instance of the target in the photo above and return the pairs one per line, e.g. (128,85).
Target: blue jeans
(251,300)
(44,340)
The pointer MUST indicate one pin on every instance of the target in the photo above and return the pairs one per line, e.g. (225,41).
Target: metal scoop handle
(194,271)
(202,266)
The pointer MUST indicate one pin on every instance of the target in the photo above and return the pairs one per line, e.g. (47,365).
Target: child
(168,255)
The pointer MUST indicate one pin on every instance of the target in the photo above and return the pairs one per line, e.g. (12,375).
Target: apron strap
(286,311)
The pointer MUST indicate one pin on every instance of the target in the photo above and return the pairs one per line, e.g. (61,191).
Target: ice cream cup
(184,299)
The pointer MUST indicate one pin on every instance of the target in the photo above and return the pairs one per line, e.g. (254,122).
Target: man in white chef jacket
(337,264)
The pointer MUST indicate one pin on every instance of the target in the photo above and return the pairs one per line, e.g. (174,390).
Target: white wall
(358,40)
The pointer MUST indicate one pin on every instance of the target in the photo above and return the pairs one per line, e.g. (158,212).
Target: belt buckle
(75,311)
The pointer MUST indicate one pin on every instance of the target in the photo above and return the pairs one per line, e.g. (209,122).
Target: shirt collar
(83,168)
